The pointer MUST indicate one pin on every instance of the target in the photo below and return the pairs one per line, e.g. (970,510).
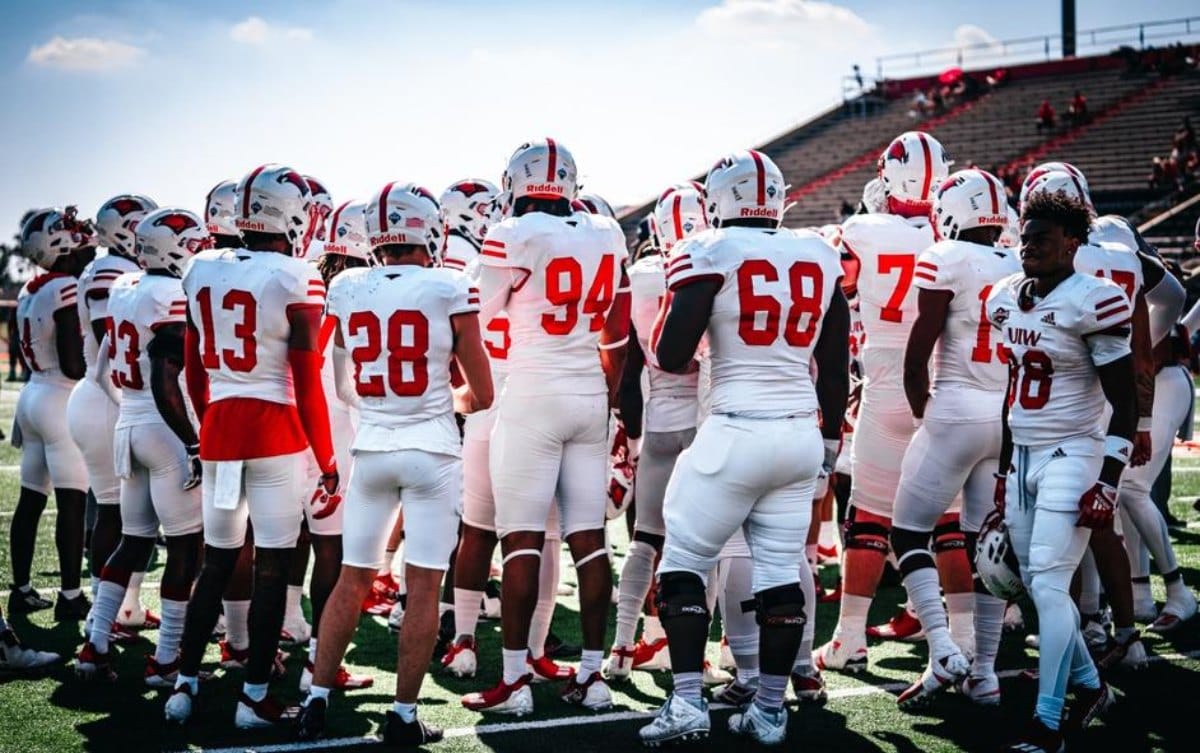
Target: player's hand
(1142,447)
(327,496)
(999,495)
(194,467)
(1097,506)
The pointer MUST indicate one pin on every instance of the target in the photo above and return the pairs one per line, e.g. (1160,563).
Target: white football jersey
(395,323)
(571,270)
(239,301)
(139,304)
(766,318)
(94,282)
(497,334)
(1054,349)
(886,247)
(1114,262)
(37,303)
(970,370)
(458,253)
(671,400)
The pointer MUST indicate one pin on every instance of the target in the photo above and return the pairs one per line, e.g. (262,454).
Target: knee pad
(866,535)
(780,607)
(948,535)
(912,550)
(681,594)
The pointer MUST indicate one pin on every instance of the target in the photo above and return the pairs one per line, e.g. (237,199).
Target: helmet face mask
(996,562)
(910,168)
(469,208)
(49,235)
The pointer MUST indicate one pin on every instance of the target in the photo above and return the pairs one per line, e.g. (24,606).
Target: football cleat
(619,663)
(402,734)
(1095,632)
(1037,738)
(809,687)
(592,694)
(939,675)
(1144,609)
(677,720)
(460,659)
(1113,653)
(178,708)
(1174,613)
(17,658)
(543,669)
(268,712)
(714,675)
(119,634)
(902,627)
(295,632)
(24,602)
(1089,704)
(651,657)
(726,662)
(832,597)
(138,619)
(733,694)
(395,618)
(342,681)
(386,586)
(71,610)
(848,656)
(981,690)
(90,664)
(514,699)
(310,720)
(376,604)
(232,657)
(763,726)
(160,676)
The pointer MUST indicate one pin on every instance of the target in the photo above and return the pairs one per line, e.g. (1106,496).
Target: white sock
(132,603)
(406,711)
(747,671)
(316,691)
(652,629)
(312,650)
(989,627)
(292,609)
(255,691)
(590,662)
(543,613)
(853,617)
(515,666)
(829,534)
(636,575)
(104,613)
(925,595)
(962,620)
(170,633)
(466,610)
(237,623)
(192,683)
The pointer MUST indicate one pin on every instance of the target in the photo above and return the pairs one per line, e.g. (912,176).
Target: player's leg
(982,686)
(296,629)
(736,601)
(235,605)
(544,667)
(68,474)
(325,543)
(954,572)
(472,562)
(31,501)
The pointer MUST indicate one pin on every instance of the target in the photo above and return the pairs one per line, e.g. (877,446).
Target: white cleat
(842,655)
(178,708)
(677,720)
(592,694)
(460,658)
(268,712)
(762,726)
(939,675)
(714,675)
(1175,612)
(515,699)
(982,690)
(396,617)
(17,658)
(619,664)
(295,632)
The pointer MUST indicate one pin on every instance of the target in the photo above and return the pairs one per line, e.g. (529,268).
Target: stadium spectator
(921,106)
(1185,138)
(997,78)
(1078,111)
(1045,116)
(1158,174)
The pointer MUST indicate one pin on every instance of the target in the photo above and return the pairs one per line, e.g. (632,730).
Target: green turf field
(60,714)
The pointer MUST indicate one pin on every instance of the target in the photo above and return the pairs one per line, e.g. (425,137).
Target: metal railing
(1033,49)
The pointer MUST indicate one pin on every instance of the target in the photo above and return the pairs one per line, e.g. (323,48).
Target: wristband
(1117,448)
(1145,423)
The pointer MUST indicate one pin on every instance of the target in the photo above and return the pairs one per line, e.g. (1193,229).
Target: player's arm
(343,384)
(478,392)
(832,356)
(304,358)
(194,374)
(615,337)
(1143,367)
(102,377)
(68,342)
(933,307)
(687,318)
(629,394)
(167,355)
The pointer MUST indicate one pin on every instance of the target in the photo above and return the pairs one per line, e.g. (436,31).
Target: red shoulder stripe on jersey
(102,276)
(383,197)
(472,290)
(493,242)
(453,264)
(1112,312)
(38,282)
(928,166)
(1108,302)
(551,160)
(677,284)
(761,177)
(924,276)
(678,260)
(926,265)
(678,269)
(493,254)
(473,302)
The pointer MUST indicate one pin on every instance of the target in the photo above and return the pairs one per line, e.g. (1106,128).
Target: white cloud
(969,35)
(84,54)
(807,18)
(255,30)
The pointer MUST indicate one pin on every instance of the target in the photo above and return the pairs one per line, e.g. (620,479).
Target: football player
(886,246)
(770,303)
(957,447)
(155,445)
(1066,335)
(560,275)
(91,414)
(48,325)
(253,338)
(401,324)
(667,422)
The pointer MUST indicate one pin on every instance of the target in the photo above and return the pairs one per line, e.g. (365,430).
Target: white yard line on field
(497,728)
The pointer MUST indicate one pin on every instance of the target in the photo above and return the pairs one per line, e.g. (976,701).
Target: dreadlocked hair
(330,265)
(1062,209)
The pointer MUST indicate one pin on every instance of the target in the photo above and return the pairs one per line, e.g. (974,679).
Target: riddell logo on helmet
(382,239)
(250,225)
(994,219)
(768,212)
(545,188)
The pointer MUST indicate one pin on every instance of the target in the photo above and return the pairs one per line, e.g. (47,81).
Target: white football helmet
(911,168)
(348,232)
(276,199)
(469,207)
(404,213)
(1079,189)
(542,169)
(968,199)
(51,234)
(597,205)
(167,238)
(1011,235)
(996,562)
(1057,181)
(678,214)
(118,217)
(744,185)
(324,207)
(220,209)
(874,197)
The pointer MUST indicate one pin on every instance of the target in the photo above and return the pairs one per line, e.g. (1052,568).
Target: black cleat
(71,610)
(310,723)
(24,602)
(398,732)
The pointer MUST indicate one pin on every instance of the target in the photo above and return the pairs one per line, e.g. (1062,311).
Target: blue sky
(167,98)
